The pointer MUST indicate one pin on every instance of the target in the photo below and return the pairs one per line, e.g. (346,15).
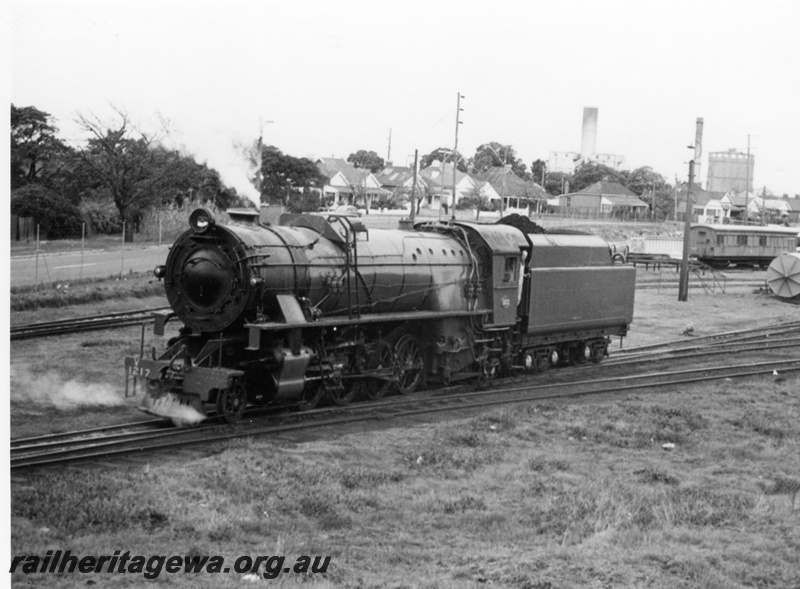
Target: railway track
(741,335)
(95,322)
(145,439)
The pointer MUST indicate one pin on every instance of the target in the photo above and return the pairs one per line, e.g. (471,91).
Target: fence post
(83,237)
(36,271)
(122,252)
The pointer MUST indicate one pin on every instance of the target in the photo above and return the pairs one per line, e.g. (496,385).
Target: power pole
(455,157)
(389,151)
(683,286)
(414,189)
(675,211)
(747,183)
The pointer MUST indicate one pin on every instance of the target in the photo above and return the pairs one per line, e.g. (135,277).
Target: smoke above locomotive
(318,306)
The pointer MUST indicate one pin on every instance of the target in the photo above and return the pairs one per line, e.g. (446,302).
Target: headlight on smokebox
(256,281)
(201,221)
(160,271)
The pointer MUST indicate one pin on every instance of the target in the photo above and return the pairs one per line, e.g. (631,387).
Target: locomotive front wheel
(311,396)
(378,360)
(343,394)
(231,402)
(410,364)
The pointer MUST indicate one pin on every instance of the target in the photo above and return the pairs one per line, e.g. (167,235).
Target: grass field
(548,495)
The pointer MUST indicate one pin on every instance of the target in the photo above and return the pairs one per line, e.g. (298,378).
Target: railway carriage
(320,306)
(722,245)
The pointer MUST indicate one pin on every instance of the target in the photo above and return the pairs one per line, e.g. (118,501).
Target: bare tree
(130,164)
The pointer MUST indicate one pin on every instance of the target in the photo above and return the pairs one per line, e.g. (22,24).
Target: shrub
(101,217)
(56,215)
(168,222)
(304,202)
(475,202)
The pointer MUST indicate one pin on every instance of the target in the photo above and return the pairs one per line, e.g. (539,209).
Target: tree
(188,180)
(556,183)
(590,172)
(652,188)
(476,201)
(494,154)
(56,215)
(285,176)
(643,180)
(129,165)
(33,144)
(539,172)
(366,159)
(443,154)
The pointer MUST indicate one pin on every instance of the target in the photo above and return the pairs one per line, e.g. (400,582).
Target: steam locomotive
(320,306)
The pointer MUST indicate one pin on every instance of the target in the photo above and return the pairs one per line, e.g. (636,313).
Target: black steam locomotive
(319,305)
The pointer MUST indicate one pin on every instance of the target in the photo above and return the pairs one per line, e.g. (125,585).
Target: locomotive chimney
(244,216)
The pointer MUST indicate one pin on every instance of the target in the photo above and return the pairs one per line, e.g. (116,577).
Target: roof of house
(396,176)
(437,176)
(777,204)
(794,203)
(739,198)
(615,193)
(625,201)
(605,188)
(330,166)
(514,185)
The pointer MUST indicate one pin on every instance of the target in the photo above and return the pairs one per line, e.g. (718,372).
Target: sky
(335,77)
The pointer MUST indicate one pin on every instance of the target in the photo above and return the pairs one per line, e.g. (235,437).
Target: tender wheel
(529,361)
(554,358)
(231,402)
(378,360)
(543,360)
(311,396)
(582,353)
(410,364)
(598,352)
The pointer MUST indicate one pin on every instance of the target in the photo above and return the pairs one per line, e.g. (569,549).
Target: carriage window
(511,270)
(741,240)
(720,239)
(762,240)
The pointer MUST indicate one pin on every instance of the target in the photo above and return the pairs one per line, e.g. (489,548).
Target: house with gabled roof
(486,190)
(794,209)
(707,206)
(517,194)
(439,178)
(738,201)
(603,197)
(399,180)
(346,184)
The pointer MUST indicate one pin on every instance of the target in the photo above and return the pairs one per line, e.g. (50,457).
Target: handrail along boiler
(317,305)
